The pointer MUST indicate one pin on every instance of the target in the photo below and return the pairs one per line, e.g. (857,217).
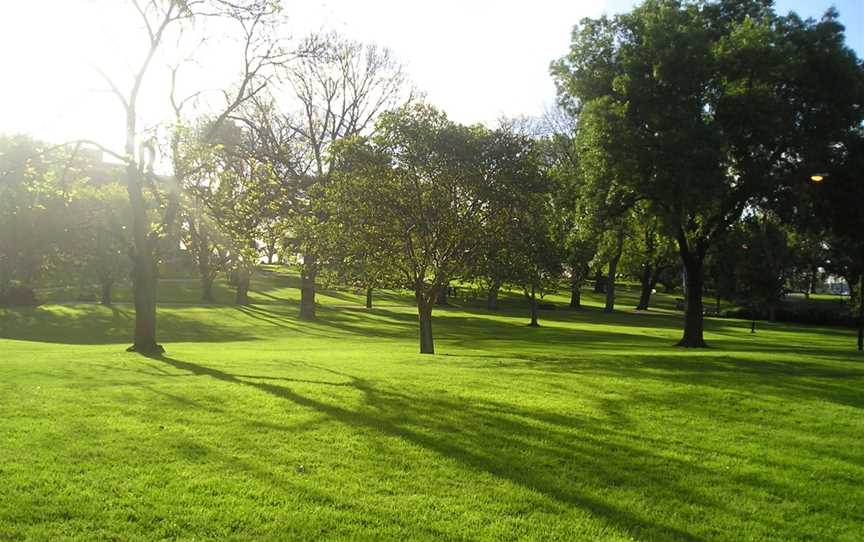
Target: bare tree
(159,18)
(336,93)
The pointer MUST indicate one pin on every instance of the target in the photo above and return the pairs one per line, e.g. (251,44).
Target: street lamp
(818,177)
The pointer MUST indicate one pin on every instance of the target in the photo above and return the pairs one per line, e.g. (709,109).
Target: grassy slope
(259,427)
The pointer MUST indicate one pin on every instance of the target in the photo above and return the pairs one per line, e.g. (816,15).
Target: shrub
(800,313)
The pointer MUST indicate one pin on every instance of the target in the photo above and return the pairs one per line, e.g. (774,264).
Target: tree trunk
(861,312)
(107,285)
(772,312)
(308,274)
(599,283)
(811,282)
(143,251)
(207,288)
(271,254)
(576,292)
(144,283)
(610,288)
(243,278)
(646,287)
(492,296)
(693,285)
(441,299)
(424,312)
(532,298)
(369,297)
(204,271)
(613,271)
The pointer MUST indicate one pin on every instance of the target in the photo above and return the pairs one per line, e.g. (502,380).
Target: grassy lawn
(256,426)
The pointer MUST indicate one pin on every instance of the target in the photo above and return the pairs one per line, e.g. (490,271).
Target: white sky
(476,59)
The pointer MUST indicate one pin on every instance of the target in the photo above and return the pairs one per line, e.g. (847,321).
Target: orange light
(817,178)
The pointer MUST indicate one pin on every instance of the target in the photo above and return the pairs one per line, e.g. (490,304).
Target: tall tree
(97,220)
(519,245)
(574,228)
(34,193)
(334,94)
(607,172)
(837,200)
(419,192)
(719,102)
(162,20)
(648,254)
(763,264)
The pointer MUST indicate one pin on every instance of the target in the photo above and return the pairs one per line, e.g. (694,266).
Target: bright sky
(476,59)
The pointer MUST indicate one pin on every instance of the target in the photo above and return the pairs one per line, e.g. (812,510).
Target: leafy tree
(607,170)
(537,263)
(721,262)
(574,238)
(523,227)
(577,237)
(33,196)
(196,155)
(97,241)
(237,194)
(837,200)
(336,92)
(715,102)
(363,264)
(416,192)
(580,247)
(763,265)
(517,247)
(648,254)
(493,260)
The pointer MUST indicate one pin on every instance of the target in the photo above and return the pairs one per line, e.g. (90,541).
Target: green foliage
(714,107)
(60,211)
(712,101)
(416,194)
(98,220)
(754,263)
(521,237)
(764,261)
(838,201)
(32,200)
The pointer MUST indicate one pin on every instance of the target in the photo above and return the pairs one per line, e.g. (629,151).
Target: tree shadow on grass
(269,317)
(487,439)
(569,459)
(469,331)
(840,383)
(95,324)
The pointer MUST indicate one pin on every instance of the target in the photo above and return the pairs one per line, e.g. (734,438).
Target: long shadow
(262,293)
(265,316)
(787,380)
(487,440)
(94,324)
(472,328)
(526,446)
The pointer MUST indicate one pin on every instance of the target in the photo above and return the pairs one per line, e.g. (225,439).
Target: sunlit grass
(256,426)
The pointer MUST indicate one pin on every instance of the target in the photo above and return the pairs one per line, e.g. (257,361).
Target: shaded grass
(256,426)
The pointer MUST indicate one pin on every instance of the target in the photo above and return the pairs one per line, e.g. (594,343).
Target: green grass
(255,426)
